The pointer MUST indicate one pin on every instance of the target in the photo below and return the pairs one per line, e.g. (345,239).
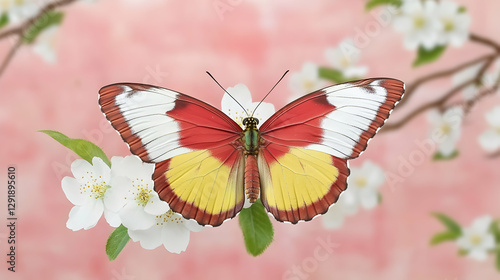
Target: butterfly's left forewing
(199,160)
(306,145)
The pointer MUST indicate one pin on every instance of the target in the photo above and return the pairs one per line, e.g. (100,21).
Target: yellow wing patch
(201,186)
(301,183)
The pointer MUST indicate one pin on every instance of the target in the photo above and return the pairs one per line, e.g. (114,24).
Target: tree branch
(21,29)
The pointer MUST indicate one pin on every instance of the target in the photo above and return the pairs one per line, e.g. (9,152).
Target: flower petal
(490,141)
(115,197)
(334,218)
(112,218)
(149,238)
(482,224)
(85,216)
(134,217)
(155,206)
(192,225)
(175,237)
(71,188)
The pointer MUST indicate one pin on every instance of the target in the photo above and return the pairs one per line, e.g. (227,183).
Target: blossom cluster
(343,59)
(124,194)
(430,24)
(362,192)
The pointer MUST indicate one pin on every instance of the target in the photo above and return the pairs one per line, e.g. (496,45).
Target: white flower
(241,93)
(87,191)
(446,129)
(467,74)
(362,192)
(419,23)
(455,30)
(45,44)
(19,10)
(344,59)
(132,193)
(490,139)
(170,229)
(477,240)
(306,81)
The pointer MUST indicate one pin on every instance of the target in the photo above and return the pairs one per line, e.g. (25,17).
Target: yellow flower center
(361,182)
(141,192)
(476,239)
(95,185)
(445,128)
(168,218)
(345,62)
(448,25)
(308,85)
(419,22)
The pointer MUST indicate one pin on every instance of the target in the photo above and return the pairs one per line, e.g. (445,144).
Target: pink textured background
(114,41)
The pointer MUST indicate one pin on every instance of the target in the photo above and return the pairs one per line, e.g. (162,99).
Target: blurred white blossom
(241,93)
(477,239)
(20,10)
(455,24)
(45,44)
(132,193)
(420,24)
(490,139)
(345,57)
(362,192)
(88,191)
(306,81)
(448,128)
(170,230)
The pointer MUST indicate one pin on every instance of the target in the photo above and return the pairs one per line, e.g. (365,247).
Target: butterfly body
(295,162)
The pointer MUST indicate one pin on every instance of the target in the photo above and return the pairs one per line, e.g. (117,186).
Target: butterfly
(206,163)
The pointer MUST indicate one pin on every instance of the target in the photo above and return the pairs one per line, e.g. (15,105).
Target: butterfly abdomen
(252,181)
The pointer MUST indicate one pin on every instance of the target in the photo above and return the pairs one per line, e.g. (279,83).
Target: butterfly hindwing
(194,145)
(316,134)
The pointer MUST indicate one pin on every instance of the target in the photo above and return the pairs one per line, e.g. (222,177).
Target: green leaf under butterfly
(449,223)
(425,56)
(4,20)
(116,242)
(47,20)
(333,75)
(85,149)
(438,156)
(374,3)
(257,228)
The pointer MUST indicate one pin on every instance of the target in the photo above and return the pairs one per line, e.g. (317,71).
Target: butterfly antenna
(255,109)
(227,92)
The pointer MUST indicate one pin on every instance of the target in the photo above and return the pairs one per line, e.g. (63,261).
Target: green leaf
(462,9)
(444,236)
(438,156)
(463,252)
(449,223)
(374,3)
(4,20)
(45,21)
(497,262)
(425,56)
(85,149)
(116,242)
(257,228)
(333,75)
(495,230)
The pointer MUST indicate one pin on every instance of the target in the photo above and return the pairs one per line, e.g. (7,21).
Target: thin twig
(10,55)
(412,87)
